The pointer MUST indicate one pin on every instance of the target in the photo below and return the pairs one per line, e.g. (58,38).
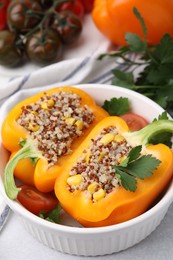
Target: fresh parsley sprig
(135,166)
(117,106)
(53,215)
(153,66)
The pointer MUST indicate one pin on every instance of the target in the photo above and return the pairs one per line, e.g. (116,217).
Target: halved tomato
(36,201)
(134,121)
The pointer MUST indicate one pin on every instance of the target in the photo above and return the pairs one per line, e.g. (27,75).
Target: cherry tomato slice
(76,7)
(134,121)
(36,201)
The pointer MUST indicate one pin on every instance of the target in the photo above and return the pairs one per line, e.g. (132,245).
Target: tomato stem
(45,16)
(29,150)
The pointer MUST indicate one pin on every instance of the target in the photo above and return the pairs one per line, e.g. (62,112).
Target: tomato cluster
(38,29)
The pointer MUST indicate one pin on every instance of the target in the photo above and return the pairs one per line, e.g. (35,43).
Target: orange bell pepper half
(121,204)
(42,175)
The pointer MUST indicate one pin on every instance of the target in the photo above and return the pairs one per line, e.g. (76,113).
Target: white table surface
(17,244)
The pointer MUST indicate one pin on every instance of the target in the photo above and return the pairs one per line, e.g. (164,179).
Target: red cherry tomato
(36,201)
(134,121)
(88,5)
(75,6)
(3,14)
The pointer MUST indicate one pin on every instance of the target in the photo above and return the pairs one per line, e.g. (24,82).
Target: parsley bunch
(153,63)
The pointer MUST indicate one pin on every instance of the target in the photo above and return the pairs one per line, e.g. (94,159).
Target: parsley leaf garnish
(153,66)
(135,166)
(116,106)
(53,215)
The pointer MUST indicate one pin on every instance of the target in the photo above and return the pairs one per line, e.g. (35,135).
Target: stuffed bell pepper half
(42,132)
(115,175)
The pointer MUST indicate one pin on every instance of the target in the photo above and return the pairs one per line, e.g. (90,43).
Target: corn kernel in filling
(96,164)
(54,121)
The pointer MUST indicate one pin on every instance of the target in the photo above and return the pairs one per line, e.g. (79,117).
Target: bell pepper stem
(143,136)
(29,150)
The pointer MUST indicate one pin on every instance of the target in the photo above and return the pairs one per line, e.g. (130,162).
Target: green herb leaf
(123,76)
(126,180)
(34,160)
(116,106)
(135,166)
(136,44)
(124,79)
(141,20)
(164,49)
(142,167)
(53,215)
(162,116)
(134,153)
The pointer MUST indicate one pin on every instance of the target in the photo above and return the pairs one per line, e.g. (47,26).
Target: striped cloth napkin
(4,212)
(69,72)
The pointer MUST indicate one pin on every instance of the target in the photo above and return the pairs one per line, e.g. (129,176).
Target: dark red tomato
(3,13)
(36,201)
(75,6)
(44,47)
(134,121)
(68,25)
(88,5)
(18,18)
(10,54)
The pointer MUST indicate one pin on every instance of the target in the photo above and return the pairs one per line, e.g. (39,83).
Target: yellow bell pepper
(42,175)
(114,18)
(91,206)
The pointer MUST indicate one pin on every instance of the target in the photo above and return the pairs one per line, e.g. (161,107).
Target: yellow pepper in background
(114,18)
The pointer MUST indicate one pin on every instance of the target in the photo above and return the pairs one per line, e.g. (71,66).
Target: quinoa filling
(94,173)
(54,121)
